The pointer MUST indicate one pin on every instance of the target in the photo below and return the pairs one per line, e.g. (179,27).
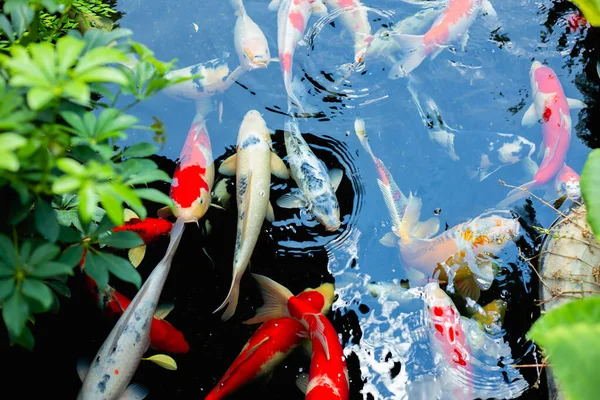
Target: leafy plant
(63,179)
(590,190)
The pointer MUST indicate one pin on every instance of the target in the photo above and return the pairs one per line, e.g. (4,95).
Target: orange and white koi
(292,18)
(272,342)
(194,175)
(552,108)
(253,163)
(355,19)
(453,24)
(328,377)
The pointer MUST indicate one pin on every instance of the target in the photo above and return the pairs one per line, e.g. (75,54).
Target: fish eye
(385,34)
(201,200)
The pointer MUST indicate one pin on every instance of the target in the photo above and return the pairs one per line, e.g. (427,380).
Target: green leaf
(68,50)
(21,16)
(76,122)
(87,201)
(154,195)
(25,339)
(70,166)
(6,287)
(121,268)
(59,287)
(113,207)
(37,290)
(65,184)
(46,221)
(9,161)
(72,256)
(6,271)
(128,196)
(98,56)
(96,270)
(148,176)
(590,190)
(43,253)
(15,312)
(11,141)
(39,97)
(52,268)
(103,74)
(25,251)
(68,234)
(142,149)
(121,240)
(590,9)
(7,251)
(570,335)
(6,27)
(78,91)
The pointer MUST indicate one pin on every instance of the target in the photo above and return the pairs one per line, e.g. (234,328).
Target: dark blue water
(479,93)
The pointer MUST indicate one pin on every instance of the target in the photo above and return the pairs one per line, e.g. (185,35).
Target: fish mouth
(257,61)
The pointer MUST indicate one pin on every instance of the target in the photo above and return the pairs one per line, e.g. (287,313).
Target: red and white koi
(194,175)
(253,163)
(552,108)
(292,18)
(355,19)
(453,24)
(328,377)
(272,342)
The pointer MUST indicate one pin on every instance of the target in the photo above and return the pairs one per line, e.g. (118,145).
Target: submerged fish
(355,19)
(119,356)
(567,182)
(453,24)
(328,377)
(317,185)
(149,229)
(272,342)
(552,108)
(253,163)
(163,335)
(212,80)
(292,18)
(194,175)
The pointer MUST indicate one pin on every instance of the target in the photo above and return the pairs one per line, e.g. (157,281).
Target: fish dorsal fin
(410,218)
(162,310)
(275,297)
(163,360)
(335,176)
(134,392)
(164,212)
(575,104)
(129,214)
(468,288)
(427,229)
(278,168)
(391,206)
(136,255)
(389,239)
(270,215)
(302,382)
(292,200)
(82,368)
(319,333)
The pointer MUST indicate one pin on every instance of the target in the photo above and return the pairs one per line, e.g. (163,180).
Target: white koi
(253,163)
(355,19)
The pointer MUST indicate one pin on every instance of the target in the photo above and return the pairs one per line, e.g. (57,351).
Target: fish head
(491,233)
(196,211)
(253,125)
(570,186)
(326,210)
(321,298)
(256,56)
(381,45)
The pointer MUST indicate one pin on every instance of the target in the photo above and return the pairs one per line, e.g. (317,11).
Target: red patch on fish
(439,328)
(187,185)
(345,3)
(575,21)
(286,62)
(297,20)
(459,358)
(451,334)
(438,312)
(149,229)
(547,114)
(116,372)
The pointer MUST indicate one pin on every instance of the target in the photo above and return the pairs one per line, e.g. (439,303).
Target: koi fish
(317,185)
(328,377)
(576,21)
(272,342)
(163,335)
(453,24)
(355,19)
(194,174)
(250,42)
(253,163)
(119,356)
(292,17)
(567,182)
(212,80)
(552,108)
(149,229)
(489,317)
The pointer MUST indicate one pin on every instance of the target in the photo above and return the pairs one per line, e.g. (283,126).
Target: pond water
(478,93)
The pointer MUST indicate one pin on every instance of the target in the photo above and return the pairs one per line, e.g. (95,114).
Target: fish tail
(414,48)
(275,297)
(287,80)
(238,6)
(232,298)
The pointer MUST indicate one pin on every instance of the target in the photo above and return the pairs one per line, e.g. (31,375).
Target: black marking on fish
(252,140)
(243,185)
(102,383)
(138,337)
(314,183)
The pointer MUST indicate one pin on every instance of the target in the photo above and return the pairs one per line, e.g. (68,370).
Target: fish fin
(274,5)
(439,49)
(164,212)
(410,218)
(134,392)
(319,333)
(427,229)
(278,168)
(217,206)
(232,297)
(531,168)
(208,256)
(484,274)
(488,9)
(136,255)
(82,368)
(575,104)
(463,42)
(162,310)
(389,239)
(275,297)
(335,176)
(129,214)
(598,68)
(270,214)
(163,360)
(302,382)
(228,166)
(318,8)
(530,117)
(468,288)
(517,194)
(415,277)
(292,200)
(414,47)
